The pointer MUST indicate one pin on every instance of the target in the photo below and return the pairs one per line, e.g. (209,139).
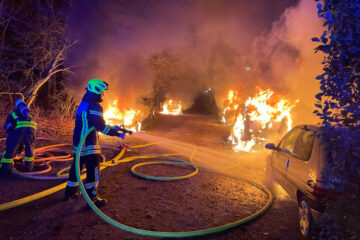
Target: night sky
(216,39)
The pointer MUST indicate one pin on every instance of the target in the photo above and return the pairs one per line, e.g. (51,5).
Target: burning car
(171,107)
(255,120)
(130,118)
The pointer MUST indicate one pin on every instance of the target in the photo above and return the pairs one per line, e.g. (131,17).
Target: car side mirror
(270,146)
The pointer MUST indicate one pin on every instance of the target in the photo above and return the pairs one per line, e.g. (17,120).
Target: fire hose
(118,160)
(156,233)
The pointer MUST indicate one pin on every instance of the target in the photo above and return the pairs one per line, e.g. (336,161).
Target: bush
(205,104)
(338,106)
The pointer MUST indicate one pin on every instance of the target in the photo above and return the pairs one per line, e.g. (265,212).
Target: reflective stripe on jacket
(16,120)
(90,114)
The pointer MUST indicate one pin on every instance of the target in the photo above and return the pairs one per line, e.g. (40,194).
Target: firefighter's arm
(10,123)
(97,119)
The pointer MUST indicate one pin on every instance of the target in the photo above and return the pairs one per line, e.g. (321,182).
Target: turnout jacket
(90,114)
(17,119)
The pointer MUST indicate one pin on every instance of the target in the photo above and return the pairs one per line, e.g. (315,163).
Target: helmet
(18,102)
(22,107)
(97,86)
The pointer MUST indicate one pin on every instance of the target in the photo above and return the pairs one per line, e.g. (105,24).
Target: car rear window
(304,145)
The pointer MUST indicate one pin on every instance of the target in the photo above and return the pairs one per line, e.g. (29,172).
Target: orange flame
(129,118)
(231,104)
(260,113)
(171,108)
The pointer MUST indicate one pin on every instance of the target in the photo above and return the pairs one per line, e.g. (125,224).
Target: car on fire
(296,164)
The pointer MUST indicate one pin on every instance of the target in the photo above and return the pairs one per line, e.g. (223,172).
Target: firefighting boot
(29,165)
(99,202)
(71,192)
(5,169)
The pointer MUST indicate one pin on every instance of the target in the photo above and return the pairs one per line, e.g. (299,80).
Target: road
(208,137)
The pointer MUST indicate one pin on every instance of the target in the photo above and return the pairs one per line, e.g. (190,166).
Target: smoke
(221,44)
(287,61)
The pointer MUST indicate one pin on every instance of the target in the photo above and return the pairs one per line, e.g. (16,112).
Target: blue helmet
(19,101)
(22,107)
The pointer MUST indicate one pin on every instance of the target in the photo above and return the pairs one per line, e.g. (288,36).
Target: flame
(171,108)
(129,117)
(231,105)
(259,114)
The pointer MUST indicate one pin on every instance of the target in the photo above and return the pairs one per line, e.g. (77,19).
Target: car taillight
(319,189)
(324,189)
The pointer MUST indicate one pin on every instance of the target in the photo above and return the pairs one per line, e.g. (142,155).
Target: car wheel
(305,218)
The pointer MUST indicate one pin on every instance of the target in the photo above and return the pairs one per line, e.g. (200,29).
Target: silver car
(296,164)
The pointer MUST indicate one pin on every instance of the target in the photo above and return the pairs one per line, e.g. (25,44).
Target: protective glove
(122,135)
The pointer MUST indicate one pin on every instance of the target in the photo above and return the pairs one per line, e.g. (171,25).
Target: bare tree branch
(33,44)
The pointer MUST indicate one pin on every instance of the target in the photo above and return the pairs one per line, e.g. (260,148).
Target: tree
(338,106)
(166,68)
(33,42)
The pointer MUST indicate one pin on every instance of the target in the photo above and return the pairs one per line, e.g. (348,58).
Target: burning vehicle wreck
(257,119)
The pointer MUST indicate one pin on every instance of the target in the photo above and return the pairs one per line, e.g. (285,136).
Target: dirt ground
(215,196)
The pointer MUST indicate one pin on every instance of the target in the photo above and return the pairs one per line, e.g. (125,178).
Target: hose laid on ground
(156,233)
(46,162)
(118,160)
(36,196)
(34,175)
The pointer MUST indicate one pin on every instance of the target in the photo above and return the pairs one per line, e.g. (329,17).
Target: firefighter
(90,114)
(21,130)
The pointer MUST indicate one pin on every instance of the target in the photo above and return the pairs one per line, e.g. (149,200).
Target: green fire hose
(156,233)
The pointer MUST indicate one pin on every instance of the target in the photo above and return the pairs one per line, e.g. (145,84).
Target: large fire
(256,118)
(231,105)
(172,108)
(130,118)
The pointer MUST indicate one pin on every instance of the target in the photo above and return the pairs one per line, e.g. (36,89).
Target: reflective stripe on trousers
(72,184)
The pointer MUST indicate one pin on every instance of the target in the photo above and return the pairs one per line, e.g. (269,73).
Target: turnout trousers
(17,137)
(91,163)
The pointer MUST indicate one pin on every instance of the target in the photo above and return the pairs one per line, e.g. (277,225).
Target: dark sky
(218,39)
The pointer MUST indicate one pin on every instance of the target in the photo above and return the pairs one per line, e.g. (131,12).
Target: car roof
(309,126)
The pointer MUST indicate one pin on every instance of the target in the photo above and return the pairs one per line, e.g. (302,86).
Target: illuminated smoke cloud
(286,61)
(221,44)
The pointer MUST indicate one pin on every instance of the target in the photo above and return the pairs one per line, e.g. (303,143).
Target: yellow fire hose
(36,196)
(118,160)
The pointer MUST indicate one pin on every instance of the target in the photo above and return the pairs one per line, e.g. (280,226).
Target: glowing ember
(172,108)
(260,114)
(130,118)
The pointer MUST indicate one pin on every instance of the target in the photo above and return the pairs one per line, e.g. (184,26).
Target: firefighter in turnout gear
(21,130)
(90,114)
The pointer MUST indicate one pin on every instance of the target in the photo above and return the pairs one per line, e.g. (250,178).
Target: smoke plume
(221,45)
